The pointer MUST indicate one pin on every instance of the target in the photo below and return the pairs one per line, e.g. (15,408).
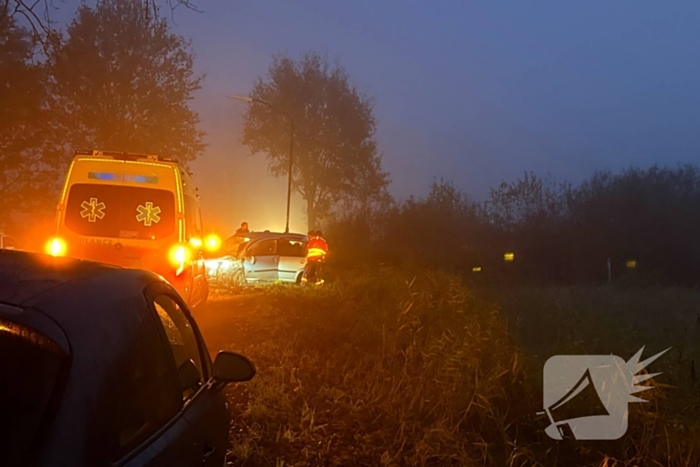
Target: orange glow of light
(179,255)
(212,242)
(56,247)
(196,242)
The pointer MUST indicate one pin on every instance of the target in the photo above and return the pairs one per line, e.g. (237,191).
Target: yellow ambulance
(135,211)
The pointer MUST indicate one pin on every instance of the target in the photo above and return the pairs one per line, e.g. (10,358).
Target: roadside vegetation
(604,320)
(560,234)
(387,367)
(402,370)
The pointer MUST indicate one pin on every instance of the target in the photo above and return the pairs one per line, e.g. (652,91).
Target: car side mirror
(230,367)
(251,259)
(189,375)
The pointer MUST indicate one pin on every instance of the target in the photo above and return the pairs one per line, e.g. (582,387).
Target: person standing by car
(315,258)
(243,229)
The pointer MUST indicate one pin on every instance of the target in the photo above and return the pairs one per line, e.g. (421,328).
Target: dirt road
(224,321)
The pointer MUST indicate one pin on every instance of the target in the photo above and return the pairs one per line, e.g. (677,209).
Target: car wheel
(189,288)
(205,293)
(238,280)
(200,298)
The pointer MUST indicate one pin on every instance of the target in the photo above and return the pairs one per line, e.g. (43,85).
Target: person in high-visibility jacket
(315,258)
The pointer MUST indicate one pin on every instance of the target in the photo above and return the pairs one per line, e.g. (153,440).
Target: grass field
(394,369)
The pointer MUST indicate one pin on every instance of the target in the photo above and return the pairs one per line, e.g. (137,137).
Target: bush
(561,235)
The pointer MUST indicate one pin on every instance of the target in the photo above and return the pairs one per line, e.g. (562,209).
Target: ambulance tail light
(179,256)
(56,246)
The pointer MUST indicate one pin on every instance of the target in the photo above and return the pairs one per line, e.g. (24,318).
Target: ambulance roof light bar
(124,156)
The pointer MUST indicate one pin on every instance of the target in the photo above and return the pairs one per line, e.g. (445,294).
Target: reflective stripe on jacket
(318,249)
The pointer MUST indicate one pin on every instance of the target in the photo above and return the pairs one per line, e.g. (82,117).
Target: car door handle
(208,451)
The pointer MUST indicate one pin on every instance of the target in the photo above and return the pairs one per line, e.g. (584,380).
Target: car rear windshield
(30,367)
(119,211)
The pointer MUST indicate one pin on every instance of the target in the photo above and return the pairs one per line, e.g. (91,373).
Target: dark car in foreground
(258,258)
(105,366)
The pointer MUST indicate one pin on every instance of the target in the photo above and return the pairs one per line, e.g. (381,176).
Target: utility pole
(289,177)
(291,146)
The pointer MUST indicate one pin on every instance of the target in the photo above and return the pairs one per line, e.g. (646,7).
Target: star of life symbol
(92,210)
(586,397)
(148,214)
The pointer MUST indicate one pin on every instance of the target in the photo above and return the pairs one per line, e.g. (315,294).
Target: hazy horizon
(472,93)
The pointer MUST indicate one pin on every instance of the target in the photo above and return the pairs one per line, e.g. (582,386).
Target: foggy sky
(475,92)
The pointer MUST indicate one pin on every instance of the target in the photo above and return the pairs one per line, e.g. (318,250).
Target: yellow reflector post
(476,269)
(509,256)
(631,264)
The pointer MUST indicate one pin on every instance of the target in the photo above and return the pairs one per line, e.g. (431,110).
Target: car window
(192,220)
(241,248)
(30,367)
(290,247)
(263,248)
(153,396)
(181,337)
(198,220)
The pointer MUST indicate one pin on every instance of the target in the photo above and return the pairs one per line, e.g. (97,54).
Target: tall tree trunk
(311,213)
